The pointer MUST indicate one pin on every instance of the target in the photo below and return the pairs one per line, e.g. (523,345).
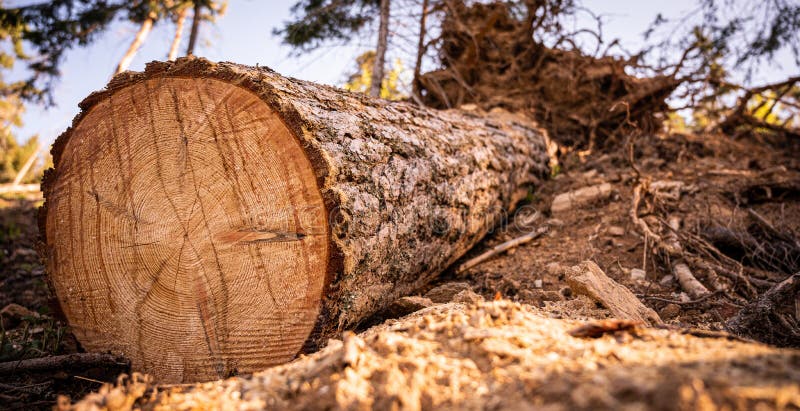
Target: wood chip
(597,329)
(588,279)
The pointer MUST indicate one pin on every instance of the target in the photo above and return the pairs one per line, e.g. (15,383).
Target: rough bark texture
(407,190)
(380,51)
(198,11)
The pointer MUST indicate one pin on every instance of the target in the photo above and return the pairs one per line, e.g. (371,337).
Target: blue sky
(244,35)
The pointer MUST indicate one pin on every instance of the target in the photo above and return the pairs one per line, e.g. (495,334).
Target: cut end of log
(185,230)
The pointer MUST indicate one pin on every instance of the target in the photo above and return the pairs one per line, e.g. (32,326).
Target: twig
(80,377)
(771,228)
(62,361)
(678,302)
(500,248)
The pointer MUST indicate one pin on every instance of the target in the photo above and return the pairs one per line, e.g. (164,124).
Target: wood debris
(588,279)
(498,355)
(596,329)
(580,197)
(472,262)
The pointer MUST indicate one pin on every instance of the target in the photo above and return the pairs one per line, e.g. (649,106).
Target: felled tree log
(210,219)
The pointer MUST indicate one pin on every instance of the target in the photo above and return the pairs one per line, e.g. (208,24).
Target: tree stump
(210,219)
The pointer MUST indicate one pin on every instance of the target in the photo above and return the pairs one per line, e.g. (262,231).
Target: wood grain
(184,248)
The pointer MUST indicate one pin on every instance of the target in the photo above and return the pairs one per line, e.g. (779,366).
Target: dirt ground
(519,353)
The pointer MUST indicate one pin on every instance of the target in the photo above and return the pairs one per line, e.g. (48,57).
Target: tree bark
(176,40)
(198,13)
(380,51)
(23,171)
(415,83)
(138,40)
(206,219)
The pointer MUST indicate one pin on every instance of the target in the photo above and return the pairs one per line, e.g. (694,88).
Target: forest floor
(517,351)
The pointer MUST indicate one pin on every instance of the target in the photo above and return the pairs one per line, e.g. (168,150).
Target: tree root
(771,318)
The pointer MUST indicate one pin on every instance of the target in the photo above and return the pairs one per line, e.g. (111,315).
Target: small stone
(670,311)
(667,280)
(467,297)
(444,293)
(537,283)
(637,274)
(511,251)
(616,231)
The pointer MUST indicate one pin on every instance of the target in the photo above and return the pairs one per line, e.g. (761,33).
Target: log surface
(381,198)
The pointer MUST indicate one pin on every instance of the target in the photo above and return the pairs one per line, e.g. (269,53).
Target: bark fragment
(588,279)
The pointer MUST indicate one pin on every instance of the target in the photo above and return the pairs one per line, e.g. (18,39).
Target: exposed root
(773,317)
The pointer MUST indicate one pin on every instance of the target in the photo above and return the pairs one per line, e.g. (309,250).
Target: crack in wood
(254,235)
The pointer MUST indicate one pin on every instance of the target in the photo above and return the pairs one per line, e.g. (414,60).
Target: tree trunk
(198,13)
(415,84)
(176,40)
(138,40)
(206,219)
(23,171)
(380,52)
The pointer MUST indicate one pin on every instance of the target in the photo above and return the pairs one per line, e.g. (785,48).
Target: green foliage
(361,80)
(316,22)
(49,29)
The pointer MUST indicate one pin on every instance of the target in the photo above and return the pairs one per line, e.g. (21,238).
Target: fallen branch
(680,269)
(688,281)
(472,262)
(81,360)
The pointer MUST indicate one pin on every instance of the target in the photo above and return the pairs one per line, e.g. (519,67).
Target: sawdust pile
(496,355)
(490,58)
